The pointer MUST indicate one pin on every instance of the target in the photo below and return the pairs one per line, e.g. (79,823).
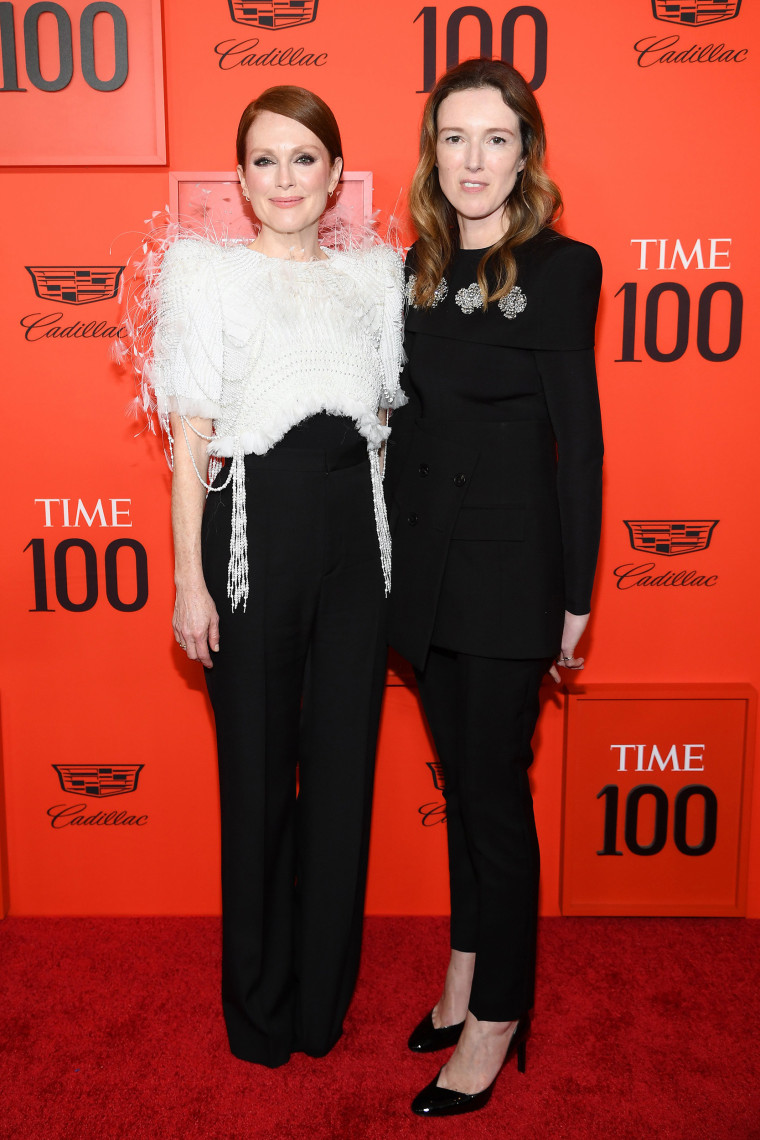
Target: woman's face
(478,155)
(288,174)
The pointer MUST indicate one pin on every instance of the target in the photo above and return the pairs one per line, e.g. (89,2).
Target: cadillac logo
(97,779)
(695,12)
(435,811)
(436,771)
(74,284)
(668,538)
(274,14)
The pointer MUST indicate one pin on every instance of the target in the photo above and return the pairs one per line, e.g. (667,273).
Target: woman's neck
(296,246)
(480,233)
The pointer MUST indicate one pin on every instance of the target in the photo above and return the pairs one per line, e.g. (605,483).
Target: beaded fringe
(237,571)
(381,518)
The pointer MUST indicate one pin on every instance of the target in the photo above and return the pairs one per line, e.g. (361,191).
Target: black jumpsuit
(296,689)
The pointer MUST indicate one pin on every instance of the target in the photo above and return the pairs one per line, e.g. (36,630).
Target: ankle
(449,1010)
(496,1030)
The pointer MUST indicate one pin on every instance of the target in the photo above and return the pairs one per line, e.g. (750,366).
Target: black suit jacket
(495,498)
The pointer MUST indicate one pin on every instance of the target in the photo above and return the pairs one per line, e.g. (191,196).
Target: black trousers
(482,713)
(296,690)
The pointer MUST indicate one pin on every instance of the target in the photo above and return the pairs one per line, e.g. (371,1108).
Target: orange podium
(656,799)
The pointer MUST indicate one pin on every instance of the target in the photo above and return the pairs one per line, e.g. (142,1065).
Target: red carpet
(644,1028)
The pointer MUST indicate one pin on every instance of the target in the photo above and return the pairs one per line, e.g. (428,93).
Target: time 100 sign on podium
(656,800)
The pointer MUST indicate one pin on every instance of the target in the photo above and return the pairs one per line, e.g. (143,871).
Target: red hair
(294,103)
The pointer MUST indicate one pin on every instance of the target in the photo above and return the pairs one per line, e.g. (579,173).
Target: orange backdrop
(647,109)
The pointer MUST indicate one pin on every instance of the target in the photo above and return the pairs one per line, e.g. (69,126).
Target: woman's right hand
(196,623)
(574,628)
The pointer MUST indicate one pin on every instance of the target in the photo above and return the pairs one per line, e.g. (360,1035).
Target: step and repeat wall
(642,776)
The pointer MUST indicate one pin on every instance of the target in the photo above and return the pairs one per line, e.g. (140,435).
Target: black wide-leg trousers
(482,713)
(296,690)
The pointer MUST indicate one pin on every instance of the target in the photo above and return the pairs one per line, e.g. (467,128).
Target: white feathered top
(258,344)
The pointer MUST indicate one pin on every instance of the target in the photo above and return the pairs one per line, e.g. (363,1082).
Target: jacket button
(412,519)
(424,470)
(460,480)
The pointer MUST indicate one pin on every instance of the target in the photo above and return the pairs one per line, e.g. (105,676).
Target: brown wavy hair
(294,103)
(535,201)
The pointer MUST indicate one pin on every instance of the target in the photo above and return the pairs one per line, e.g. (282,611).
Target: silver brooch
(469,299)
(441,291)
(515,302)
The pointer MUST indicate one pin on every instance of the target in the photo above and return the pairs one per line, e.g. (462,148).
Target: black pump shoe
(433,1101)
(426,1038)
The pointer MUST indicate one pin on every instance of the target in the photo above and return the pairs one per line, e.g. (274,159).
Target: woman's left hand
(575,625)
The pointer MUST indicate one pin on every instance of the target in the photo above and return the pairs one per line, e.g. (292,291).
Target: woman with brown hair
(494,477)
(271,364)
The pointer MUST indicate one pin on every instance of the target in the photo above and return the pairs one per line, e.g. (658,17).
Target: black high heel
(426,1038)
(433,1101)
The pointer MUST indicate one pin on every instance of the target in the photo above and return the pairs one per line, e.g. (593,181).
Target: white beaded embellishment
(441,291)
(515,302)
(381,517)
(469,299)
(237,568)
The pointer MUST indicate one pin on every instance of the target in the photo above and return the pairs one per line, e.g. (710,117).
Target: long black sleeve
(570,388)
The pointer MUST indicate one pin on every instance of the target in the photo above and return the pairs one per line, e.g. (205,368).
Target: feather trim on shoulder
(167,241)
(173,254)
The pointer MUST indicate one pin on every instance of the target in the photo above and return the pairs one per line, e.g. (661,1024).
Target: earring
(245,195)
